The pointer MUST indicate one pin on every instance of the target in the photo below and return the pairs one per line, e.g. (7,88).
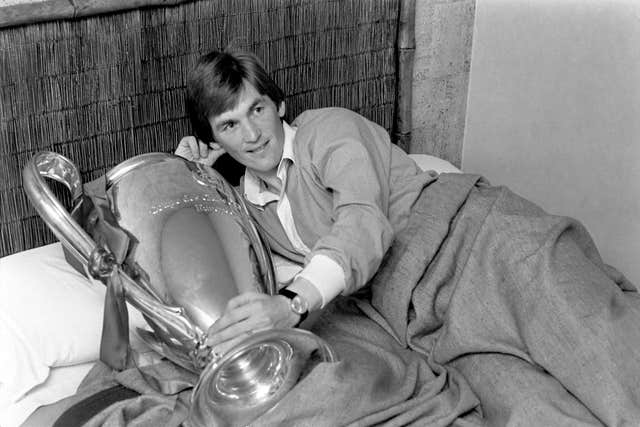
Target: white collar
(255,190)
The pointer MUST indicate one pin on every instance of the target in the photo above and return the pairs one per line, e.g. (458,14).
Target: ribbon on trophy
(95,215)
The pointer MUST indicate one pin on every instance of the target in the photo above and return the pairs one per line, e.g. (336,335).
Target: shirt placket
(285,214)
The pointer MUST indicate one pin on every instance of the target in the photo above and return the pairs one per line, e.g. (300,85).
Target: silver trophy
(195,247)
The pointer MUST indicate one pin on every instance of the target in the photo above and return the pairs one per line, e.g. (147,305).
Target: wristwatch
(298,304)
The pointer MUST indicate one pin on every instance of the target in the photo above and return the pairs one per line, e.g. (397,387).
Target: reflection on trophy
(190,247)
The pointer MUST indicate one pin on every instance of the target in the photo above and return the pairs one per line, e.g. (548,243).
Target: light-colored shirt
(346,190)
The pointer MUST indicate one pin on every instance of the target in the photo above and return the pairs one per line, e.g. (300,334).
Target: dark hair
(215,83)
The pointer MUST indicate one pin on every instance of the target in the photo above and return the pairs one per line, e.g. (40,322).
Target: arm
(353,171)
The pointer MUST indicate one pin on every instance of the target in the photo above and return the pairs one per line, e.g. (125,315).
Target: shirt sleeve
(355,171)
(326,275)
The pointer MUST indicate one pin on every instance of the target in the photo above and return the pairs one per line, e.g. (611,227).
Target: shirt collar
(255,190)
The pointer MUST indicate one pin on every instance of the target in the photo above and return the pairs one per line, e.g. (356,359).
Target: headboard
(102,87)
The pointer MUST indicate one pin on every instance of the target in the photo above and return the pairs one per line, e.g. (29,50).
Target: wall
(554,112)
(444,31)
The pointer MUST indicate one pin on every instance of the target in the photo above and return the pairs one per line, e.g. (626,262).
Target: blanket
(451,331)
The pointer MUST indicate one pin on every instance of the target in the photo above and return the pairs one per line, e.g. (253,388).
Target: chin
(266,166)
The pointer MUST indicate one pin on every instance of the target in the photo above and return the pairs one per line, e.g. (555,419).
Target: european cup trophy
(184,245)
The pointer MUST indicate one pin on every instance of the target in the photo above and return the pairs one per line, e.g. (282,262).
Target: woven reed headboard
(100,89)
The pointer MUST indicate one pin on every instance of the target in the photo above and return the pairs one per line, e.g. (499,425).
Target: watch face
(299,305)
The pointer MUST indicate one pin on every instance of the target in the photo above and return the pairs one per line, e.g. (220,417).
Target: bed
(102,82)
(54,346)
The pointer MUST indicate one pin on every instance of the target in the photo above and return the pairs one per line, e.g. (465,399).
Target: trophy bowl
(182,243)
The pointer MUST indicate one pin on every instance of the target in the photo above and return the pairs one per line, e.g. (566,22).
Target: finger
(245,310)
(245,298)
(203,150)
(226,320)
(262,314)
(236,330)
(214,154)
(252,312)
(249,310)
(193,147)
(233,314)
(183,149)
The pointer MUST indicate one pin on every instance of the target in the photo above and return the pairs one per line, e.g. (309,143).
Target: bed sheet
(61,382)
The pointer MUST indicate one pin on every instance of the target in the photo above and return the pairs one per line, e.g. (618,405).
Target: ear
(281,109)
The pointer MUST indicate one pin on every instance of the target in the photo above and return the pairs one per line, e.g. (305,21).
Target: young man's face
(252,132)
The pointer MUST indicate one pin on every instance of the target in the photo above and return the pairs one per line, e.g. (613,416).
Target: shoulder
(323,128)
(333,121)
(324,133)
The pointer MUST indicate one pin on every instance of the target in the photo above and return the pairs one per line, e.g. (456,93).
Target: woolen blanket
(466,278)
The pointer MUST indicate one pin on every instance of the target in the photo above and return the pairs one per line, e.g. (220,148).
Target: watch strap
(291,295)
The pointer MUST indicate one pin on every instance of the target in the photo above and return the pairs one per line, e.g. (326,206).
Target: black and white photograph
(319,213)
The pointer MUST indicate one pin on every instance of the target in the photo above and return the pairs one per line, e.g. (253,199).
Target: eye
(258,109)
(228,126)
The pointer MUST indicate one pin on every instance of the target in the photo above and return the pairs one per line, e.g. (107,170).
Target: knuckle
(232,317)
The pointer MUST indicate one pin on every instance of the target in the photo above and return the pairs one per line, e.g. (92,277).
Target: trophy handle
(69,232)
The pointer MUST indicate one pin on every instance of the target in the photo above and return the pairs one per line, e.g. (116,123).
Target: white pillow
(50,315)
(427,162)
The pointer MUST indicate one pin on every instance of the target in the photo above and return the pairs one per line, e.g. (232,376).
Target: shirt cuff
(325,275)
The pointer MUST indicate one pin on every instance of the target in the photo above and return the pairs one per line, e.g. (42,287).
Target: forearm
(344,260)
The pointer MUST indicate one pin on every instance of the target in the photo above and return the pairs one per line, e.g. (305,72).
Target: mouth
(259,149)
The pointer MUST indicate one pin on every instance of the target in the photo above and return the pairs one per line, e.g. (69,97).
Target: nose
(251,131)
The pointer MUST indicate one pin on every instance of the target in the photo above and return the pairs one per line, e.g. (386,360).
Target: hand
(197,151)
(247,313)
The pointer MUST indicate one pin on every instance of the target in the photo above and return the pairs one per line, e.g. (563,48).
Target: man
(355,171)
(500,277)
